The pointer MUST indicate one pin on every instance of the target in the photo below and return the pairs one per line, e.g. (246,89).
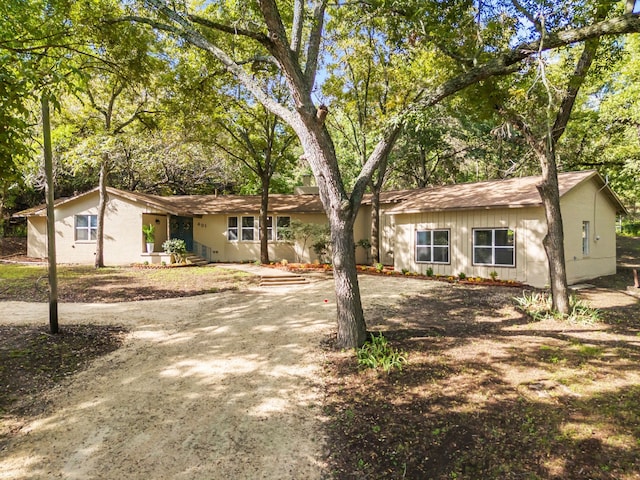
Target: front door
(182,228)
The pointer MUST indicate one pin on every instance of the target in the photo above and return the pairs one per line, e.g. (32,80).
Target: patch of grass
(117,284)
(10,271)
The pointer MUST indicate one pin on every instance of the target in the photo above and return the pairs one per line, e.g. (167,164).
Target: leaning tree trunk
(554,239)
(375,226)
(102,207)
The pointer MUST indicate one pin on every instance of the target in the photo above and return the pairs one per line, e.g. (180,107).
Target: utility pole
(51,229)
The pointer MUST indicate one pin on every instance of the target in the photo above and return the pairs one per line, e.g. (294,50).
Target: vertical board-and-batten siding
(461,224)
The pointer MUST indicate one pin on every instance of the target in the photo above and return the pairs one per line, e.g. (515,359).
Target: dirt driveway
(218,386)
(223,386)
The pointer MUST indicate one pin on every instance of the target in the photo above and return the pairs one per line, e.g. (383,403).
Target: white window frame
(232,230)
(279,236)
(431,245)
(89,228)
(269,227)
(249,229)
(493,247)
(586,231)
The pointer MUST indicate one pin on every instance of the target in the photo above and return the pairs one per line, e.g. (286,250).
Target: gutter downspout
(596,237)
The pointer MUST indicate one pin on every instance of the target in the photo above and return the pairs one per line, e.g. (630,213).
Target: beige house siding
(583,204)
(211,231)
(37,237)
(123,238)
(460,225)
(589,204)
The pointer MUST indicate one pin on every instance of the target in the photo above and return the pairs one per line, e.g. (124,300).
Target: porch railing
(203,251)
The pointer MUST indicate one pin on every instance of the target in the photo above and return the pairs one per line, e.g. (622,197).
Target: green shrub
(176,247)
(494,275)
(379,267)
(377,353)
(462,275)
(429,272)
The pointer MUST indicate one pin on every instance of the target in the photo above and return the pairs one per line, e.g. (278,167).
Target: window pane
(482,237)
(269,221)
(504,238)
(482,255)
(423,254)
(282,223)
(504,256)
(232,234)
(441,237)
(82,221)
(423,238)
(232,221)
(441,254)
(247,222)
(247,234)
(93,220)
(93,233)
(82,234)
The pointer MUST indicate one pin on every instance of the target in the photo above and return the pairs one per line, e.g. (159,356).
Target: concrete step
(282,280)
(193,259)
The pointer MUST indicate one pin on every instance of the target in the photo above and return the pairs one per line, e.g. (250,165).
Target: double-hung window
(270,227)
(432,246)
(494,246)
(282,224)
(248,229)
(86,228)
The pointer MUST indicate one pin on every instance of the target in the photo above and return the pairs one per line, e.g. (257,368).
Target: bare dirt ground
(487,393)
(223,386)
(245,385)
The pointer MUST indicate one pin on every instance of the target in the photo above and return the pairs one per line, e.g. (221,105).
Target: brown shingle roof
(211,204)
(509,193)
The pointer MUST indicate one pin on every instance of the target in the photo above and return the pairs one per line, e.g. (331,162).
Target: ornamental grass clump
(377,353)
(538,305)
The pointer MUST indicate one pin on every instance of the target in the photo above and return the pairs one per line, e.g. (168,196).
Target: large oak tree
(277,30)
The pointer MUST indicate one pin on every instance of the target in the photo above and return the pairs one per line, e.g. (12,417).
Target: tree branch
(186,31)
(576,81)
(313,47)
(536,23)
(296,26)
(233,30)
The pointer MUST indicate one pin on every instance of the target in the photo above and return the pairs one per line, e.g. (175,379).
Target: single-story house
(475,228)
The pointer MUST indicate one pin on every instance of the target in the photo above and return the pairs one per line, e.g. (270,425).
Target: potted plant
(177,248)
(149,236)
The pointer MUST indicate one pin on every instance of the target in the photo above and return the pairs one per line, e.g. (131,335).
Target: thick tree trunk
(554,239)
(102,207)
(264,210)
(352,329)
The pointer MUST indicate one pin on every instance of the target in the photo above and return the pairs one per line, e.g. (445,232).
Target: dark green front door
(182,227)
